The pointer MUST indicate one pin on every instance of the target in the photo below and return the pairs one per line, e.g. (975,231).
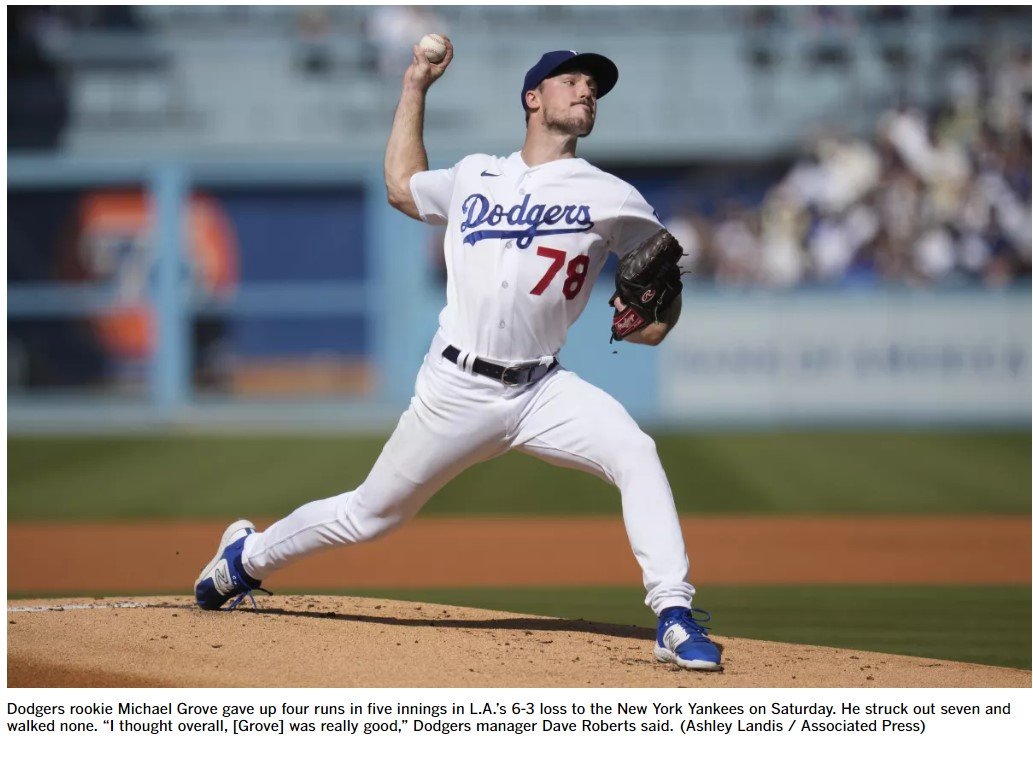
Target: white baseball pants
(457,419)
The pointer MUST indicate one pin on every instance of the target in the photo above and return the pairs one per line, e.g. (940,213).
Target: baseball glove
(648,283)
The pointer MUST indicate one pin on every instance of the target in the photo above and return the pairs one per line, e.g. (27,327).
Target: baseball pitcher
(526,236)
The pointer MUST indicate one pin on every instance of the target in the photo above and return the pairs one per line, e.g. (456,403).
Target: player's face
(568,103)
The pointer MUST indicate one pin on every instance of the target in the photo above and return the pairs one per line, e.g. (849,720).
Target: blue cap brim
(602,69)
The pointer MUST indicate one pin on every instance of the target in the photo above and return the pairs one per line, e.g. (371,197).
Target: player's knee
(367,527)
(370,518)
(642,446)
(636,453)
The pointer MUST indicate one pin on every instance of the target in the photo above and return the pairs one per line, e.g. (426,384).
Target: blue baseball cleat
(682,640)
(224,577)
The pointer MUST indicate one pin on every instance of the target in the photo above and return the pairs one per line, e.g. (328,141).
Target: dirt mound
(317,641)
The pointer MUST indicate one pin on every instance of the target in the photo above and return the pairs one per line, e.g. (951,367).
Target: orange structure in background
(114,245)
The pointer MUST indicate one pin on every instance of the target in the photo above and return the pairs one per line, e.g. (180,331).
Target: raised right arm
(405,154)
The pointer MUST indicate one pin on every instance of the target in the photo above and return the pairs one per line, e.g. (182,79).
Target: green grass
(988,625)
(772,472)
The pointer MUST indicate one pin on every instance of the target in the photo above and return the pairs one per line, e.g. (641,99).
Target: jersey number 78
(577,270)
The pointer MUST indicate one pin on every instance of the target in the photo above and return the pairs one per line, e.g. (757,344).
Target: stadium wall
(738,357)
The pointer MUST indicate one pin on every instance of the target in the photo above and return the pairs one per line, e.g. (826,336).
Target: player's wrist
(414,87)
(650,335)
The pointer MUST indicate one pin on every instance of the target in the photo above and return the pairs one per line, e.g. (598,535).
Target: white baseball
(434,47)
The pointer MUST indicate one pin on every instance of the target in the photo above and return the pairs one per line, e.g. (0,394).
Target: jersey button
(505,285)
(509,244)
(502,324)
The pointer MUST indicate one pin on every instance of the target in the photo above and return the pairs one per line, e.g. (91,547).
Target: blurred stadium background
(198,241)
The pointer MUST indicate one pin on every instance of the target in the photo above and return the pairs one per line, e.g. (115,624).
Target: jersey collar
(516,163)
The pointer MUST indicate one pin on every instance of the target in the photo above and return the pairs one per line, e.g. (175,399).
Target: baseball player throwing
(526,236)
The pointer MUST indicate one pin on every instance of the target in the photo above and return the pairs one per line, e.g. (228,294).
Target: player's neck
(543,147)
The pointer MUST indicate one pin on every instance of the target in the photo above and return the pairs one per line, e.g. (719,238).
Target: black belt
(510,375)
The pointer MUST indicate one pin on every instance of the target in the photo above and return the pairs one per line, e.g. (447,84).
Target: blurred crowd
(933,197)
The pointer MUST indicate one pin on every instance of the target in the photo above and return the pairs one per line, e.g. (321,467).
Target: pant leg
(451,424)
(574,424)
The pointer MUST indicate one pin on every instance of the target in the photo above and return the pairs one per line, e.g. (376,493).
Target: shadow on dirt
(530,623)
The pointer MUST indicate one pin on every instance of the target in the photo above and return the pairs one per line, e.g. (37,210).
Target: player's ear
(532,99)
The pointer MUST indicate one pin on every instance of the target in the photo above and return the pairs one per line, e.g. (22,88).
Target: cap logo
(574,51)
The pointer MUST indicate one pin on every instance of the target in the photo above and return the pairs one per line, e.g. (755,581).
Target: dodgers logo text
(525,221)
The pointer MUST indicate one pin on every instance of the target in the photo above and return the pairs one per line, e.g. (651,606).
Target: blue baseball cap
(603,70)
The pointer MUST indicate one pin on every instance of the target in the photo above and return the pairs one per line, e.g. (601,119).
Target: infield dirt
(368,643)
(450,552)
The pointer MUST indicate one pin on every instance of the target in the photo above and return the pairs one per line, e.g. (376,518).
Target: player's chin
(582,127)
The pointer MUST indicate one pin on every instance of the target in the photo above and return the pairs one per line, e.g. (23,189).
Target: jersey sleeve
(432,193)
(636,221)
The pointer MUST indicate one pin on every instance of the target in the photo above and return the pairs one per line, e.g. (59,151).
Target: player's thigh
(441,434)
(575,424)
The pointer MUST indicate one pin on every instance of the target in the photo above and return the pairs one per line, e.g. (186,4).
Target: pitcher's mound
(300,641)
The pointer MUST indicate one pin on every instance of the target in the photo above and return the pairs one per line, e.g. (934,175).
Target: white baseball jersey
(524,246)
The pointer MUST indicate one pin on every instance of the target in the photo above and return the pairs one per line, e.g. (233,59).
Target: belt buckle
(506,370)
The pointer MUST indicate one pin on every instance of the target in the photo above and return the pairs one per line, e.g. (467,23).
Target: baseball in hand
(434,47)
